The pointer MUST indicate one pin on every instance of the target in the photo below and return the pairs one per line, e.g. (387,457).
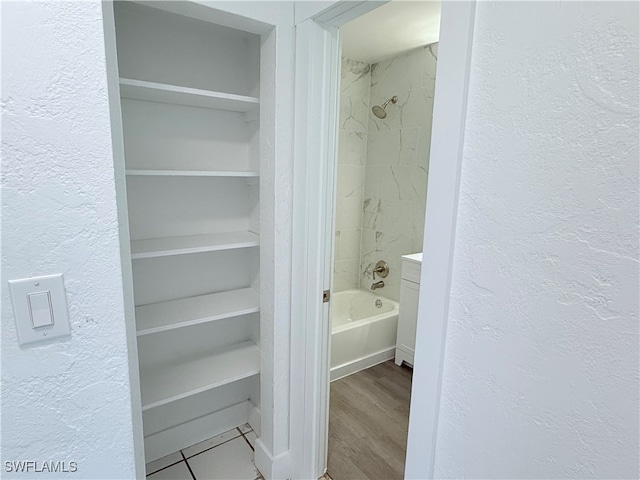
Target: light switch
(40,308)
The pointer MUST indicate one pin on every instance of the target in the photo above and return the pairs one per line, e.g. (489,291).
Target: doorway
(315,147)
(387,85)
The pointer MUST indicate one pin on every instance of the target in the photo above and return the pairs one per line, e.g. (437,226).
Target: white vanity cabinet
(408,316)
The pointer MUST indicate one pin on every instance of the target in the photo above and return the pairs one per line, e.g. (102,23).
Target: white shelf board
(163,316)
(168,383)
(160,92)
(163,247)
(190,173)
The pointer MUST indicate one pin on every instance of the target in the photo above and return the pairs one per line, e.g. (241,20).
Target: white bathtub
(362,334)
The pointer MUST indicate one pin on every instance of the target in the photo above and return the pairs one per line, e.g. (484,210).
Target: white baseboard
(272,468)
(189,433)
(347,369)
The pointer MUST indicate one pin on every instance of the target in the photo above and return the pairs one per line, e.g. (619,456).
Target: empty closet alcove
(190,104)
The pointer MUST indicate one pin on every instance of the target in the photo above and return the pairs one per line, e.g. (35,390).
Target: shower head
(379,111)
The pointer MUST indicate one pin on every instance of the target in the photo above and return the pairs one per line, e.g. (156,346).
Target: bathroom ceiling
(395,27)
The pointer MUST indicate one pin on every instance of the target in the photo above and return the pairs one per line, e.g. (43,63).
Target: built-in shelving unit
(190,115)
(194,97)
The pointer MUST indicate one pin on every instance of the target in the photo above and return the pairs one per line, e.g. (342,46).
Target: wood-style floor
(368,423)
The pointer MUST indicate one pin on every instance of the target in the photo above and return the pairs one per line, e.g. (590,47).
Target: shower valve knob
(382,269)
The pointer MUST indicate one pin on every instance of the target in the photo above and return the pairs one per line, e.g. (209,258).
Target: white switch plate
(29,297)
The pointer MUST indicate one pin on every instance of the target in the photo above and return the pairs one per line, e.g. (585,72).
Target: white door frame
(317,89)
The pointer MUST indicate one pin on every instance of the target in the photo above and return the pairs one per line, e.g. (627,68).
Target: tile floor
(224,457)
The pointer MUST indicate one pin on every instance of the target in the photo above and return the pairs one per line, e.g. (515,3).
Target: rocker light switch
(40,308)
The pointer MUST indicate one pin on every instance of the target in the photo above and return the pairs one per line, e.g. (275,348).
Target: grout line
(248,443)
(164,468)
(188,466)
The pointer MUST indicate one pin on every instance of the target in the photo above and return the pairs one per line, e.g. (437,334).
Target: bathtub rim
(371,319)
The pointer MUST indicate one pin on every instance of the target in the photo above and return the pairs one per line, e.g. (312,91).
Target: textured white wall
(541,364)
(67,400)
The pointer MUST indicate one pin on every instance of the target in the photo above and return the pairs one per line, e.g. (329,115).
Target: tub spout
(375,285)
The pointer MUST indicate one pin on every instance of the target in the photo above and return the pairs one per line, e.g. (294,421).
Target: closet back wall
(218,58)
(160,135)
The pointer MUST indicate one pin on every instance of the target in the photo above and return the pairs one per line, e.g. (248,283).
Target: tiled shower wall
(383,166)
(397,163)
(352,157)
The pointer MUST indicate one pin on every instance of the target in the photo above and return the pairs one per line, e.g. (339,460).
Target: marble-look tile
(350,181)
(352,155)
(397,217)
(393,147)
(417,226)
(383,147)
(392,216)
(390,77)
(386,183)
(408,152)
(417,111)
(413,183)
(396,153)
(373,176)
(371,213)
(397,183)
(348,213)
(368,250)
(346,275)
(370,186)
(348,244)
(352,148)
(356,78)
(354,114)
(404,72)
(429,66)
(423,150)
